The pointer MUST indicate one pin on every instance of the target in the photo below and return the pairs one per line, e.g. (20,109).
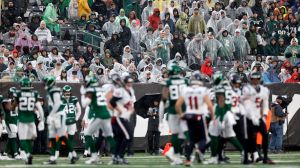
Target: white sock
(74,154)
(56,154)
(52,158)
(70,155)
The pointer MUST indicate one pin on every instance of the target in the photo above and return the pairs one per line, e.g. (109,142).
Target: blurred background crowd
(70,39)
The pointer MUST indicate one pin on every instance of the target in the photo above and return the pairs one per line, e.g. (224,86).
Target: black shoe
(74,159)
(50,162)
(29,160)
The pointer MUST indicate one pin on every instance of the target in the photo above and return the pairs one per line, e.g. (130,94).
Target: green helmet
(11,92)
(49,81)
(25,83)
(91,81)
(67,88)
(218,77)
(174,69)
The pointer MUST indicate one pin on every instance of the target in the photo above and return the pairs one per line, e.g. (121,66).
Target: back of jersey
(194,99)
(175,85)
(26,103)
(51,98)
(98,106)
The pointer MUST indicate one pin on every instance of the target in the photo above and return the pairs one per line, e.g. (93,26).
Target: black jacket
(100,7)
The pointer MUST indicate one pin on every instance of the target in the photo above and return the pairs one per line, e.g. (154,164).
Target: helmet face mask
(11,92)
(218,77)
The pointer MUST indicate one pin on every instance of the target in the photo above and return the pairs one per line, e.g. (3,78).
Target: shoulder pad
(55,89)
(118,92)
(74,98)
(90,89)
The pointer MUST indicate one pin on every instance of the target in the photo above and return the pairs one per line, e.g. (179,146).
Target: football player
(95,97)
(256,99)
(170,94)
(222,126)
(56,119)
(72,109)
(194,97)
(122,105)
(26,101)
(11,120)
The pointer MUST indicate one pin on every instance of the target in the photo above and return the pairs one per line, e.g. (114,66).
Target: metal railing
(94,37)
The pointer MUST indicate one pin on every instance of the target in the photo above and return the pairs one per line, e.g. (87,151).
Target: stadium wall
(291,127)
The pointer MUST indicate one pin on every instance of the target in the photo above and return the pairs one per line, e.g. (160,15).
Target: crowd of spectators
(142,37)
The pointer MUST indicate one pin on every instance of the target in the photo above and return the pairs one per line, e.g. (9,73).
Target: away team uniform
(26,116)
(175,86)
(58,124)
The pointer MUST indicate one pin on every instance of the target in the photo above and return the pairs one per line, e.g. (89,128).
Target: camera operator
(276,128)
(153,132)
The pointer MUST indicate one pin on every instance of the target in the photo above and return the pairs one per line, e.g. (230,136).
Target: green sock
(214,143)
(174,141)
(13,143)
(53,146)
(112,144)
(24,145)
(8,146)
(58,143)
(235,142)
(29,146)
(91,143)
(70,142)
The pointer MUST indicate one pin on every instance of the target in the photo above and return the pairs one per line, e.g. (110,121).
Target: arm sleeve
(56,105)
(85,101)
(78,109)
(40,110)
(113,101)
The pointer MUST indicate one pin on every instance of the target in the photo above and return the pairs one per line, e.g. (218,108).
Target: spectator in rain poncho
(23,40)
(244,8)
(162,47)
(231,10)
(241,45)
(147,77)
(148,39)
(75,67)
(110,26)
(178,60)
(55,55)
(133,17)
(63,6)
(135,37)
(196,23)
(96,64)
(270,76)
(50,17)
(73,10)
(115,47)
(157,68)
(195,49)
(211,48)
(83,8)
(203,8)
(144,62)
(118,69)
(212,22)
(224,21)
(207,68)
(259,60)
(228,48)
(181,24)
(127,54)
(233,26)
(292,52)
(121,17)
(147,11)
(168,34)
(168,21)
(143,29)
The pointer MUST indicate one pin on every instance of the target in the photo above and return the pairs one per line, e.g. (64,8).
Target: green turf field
(286,160)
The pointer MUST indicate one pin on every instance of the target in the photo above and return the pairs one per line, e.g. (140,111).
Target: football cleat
(50,162)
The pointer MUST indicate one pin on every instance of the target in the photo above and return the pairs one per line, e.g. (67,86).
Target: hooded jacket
(205,69)
(292,79)
(154,20)
(181,24)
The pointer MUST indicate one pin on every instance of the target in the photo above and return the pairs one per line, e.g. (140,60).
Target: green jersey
(10,117)
(98,106)
(51,101)
(70,109)
(26,100)
(175,86)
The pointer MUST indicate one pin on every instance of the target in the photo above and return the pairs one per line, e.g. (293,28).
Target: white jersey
(236,106)
(255,102)
(126,102)
(194,99)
